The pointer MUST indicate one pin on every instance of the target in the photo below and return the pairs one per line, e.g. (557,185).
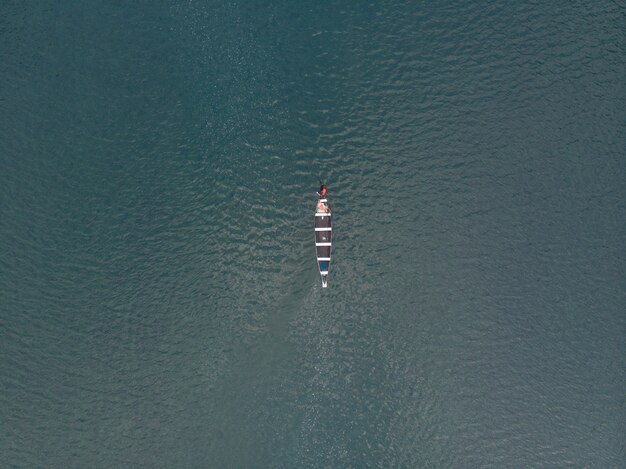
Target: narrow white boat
(323,237)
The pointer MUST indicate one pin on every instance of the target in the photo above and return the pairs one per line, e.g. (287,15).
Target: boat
(323,237)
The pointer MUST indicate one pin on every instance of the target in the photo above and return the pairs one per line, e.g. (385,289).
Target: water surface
(160,304)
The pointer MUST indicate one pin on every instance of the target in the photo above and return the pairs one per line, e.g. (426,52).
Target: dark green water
(160,304)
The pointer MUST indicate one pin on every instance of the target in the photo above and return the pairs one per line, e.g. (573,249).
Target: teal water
(160,304)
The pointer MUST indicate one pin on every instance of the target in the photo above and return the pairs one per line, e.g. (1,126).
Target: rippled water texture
(160,304)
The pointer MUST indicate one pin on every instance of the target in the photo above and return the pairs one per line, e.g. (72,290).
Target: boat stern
(324,281)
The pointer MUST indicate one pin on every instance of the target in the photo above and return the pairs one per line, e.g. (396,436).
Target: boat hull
(323,240)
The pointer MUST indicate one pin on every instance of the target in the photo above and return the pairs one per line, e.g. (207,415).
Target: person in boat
(322,206)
